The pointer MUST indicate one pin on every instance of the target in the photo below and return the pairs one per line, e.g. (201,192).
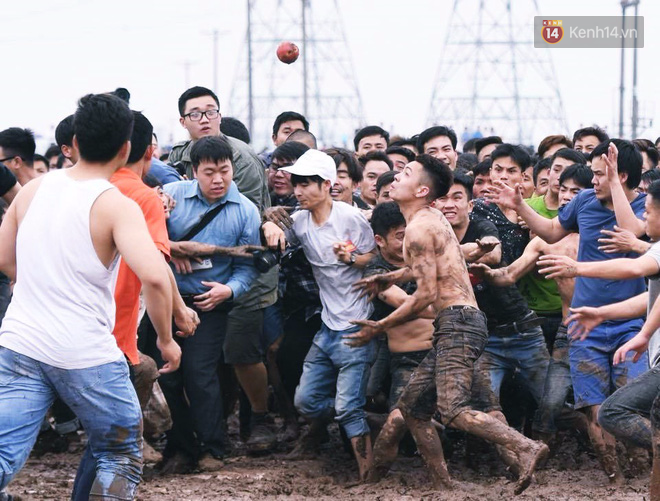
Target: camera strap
(203,222)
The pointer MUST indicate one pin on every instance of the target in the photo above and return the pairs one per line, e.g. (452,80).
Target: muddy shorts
(593,375)
(443,380)
(402,365)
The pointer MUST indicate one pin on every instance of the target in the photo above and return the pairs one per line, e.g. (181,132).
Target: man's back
(62,311)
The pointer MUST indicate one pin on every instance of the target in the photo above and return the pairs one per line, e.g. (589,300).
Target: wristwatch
(352,259)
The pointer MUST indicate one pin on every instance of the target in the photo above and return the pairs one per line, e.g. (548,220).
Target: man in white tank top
(59,242)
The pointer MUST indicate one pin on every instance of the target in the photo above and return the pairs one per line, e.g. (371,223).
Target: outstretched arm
(486,250)
(549,230)
(422,253)
(554,266)
(640,342)
(584,319)
(509,275)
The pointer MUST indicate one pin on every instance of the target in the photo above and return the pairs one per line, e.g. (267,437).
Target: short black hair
(646,146)
(64,132)
(569,154)
(211,149)
(288,116)
(590,131)
(290,151)
(194,92)
(517,153)
(400,150)
(629,160)
(386,217)
(40,158)
(370,130)
(403,141)
(650,175)
(550,141)
(102,124)
(340,155)
(482,168)
(470,144)
(438,173)
(123,94)
(581,173)
(485,141)
(544,163)
(436,131)
(384,179)
(466,161)
(296,180)
(17,142)
(233,127)
(300,134)
(52,151)
(654,191)
(377,155)
(465,181)
(140,138)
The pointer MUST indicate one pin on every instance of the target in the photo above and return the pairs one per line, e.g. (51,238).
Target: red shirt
(127,289)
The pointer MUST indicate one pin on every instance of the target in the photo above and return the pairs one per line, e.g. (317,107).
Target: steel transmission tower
(491,77)
(321,84)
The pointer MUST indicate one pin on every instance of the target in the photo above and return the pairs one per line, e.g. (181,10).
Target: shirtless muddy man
(443,380)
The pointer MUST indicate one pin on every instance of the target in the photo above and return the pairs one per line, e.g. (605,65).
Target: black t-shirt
(502,305)
(7,180)
(379,265)
(514,238)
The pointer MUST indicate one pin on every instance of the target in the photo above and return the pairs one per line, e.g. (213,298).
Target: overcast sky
(54,51)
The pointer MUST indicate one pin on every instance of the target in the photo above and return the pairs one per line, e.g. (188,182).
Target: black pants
(198,378)
(298,336)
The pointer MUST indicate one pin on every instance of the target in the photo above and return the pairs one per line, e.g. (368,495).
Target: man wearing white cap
(338,242)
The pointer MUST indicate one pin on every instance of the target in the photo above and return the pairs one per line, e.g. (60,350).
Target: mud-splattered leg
(430,448)
(363,454)
(387,445)
(485,426)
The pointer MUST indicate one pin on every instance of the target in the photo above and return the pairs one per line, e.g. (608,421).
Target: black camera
(264,260)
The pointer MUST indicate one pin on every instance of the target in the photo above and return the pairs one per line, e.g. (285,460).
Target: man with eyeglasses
(17,151)
(252,315)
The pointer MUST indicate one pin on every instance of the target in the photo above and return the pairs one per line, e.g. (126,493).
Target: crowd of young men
(438,289)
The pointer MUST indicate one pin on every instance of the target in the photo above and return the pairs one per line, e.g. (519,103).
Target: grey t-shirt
(340,302)
(654,291)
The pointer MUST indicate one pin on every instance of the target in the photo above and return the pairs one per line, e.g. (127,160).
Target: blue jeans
(557,386)
(631,412)
(524,352)
(594,377)
(102,397)
(334,379)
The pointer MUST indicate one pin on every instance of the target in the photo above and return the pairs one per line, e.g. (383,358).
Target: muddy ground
(571,474)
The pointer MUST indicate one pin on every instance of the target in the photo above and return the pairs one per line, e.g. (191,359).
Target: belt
(461,307)
(517,327)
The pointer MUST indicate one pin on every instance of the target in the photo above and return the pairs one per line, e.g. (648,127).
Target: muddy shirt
(376,266)
(502,305)
(514,239)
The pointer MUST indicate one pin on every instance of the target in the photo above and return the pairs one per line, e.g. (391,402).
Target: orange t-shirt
(127,289)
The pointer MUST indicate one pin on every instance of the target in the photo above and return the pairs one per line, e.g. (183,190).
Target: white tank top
(62,311)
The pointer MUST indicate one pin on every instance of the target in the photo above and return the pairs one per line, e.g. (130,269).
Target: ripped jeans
(103,399)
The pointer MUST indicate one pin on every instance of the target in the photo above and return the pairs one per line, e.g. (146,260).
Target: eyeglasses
(8,158)
(196,116)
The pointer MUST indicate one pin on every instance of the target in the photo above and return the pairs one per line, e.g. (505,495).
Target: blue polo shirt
(587,215)
(237,224)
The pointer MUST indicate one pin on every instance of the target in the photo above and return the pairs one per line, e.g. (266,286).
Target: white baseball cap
(314,163)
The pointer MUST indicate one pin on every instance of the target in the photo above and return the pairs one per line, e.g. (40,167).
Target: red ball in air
(287,52)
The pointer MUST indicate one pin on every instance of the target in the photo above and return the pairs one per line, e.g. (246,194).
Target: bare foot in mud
(528,463)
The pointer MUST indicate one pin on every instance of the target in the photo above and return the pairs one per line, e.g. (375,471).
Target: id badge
(206,264)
